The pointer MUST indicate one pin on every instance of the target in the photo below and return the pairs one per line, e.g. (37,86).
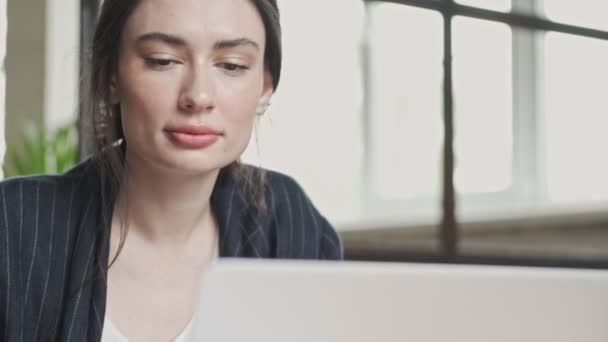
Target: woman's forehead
(194,20)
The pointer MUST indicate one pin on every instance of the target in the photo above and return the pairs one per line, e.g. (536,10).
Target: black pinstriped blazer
(50,247)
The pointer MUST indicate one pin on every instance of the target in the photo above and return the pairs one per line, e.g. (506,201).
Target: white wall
(62,62)
(42,60)
(25,64)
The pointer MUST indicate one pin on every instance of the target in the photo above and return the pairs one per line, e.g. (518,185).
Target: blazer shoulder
(277,187)
(280,189)
(308,234)
(23,193)
(73,175)
(280,181)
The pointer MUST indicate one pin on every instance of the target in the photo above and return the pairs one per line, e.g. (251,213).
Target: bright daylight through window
(360,111)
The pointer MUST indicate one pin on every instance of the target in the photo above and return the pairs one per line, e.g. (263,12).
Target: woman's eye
(159,62)
(233,67)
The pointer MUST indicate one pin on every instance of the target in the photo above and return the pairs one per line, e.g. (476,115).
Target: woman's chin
(195,166)
(183,162)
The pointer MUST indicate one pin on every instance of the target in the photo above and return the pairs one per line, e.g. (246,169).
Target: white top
(112,334)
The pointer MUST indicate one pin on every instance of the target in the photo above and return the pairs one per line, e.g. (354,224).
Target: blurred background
(468,131)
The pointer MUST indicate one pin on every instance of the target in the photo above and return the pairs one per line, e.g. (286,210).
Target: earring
(263,109)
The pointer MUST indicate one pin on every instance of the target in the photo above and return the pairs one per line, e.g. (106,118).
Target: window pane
(590,13)
(575,74)
(496,5)
(406,76)
(483,105)
(312,129)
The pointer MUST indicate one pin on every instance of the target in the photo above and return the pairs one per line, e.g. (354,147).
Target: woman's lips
(193,136)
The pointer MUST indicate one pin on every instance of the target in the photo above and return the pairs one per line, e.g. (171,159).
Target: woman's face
(190,79)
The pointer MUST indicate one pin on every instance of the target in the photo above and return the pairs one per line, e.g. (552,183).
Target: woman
(175,87)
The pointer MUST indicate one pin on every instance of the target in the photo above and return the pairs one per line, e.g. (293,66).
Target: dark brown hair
(105,139)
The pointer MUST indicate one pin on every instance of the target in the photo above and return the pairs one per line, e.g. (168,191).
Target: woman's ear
(267,92)
(114,90)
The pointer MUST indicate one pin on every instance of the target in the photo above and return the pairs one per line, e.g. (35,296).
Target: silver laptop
(280,301)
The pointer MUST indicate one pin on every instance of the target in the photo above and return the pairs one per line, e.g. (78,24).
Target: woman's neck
(165,207)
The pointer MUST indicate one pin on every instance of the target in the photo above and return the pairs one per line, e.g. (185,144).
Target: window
(404,117)
(363,102)
(576,117)
(483,105)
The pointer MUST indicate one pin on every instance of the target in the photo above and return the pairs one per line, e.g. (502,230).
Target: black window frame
(449,232)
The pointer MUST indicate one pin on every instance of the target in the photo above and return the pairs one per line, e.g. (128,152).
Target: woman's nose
(197,93)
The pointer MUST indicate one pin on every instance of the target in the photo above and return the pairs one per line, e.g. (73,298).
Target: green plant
(41,154)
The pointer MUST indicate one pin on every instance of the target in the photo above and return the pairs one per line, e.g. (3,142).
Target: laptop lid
(278,301)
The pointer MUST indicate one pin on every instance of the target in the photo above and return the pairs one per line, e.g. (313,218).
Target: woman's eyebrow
(232,43)
(162,37)
(180,42)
